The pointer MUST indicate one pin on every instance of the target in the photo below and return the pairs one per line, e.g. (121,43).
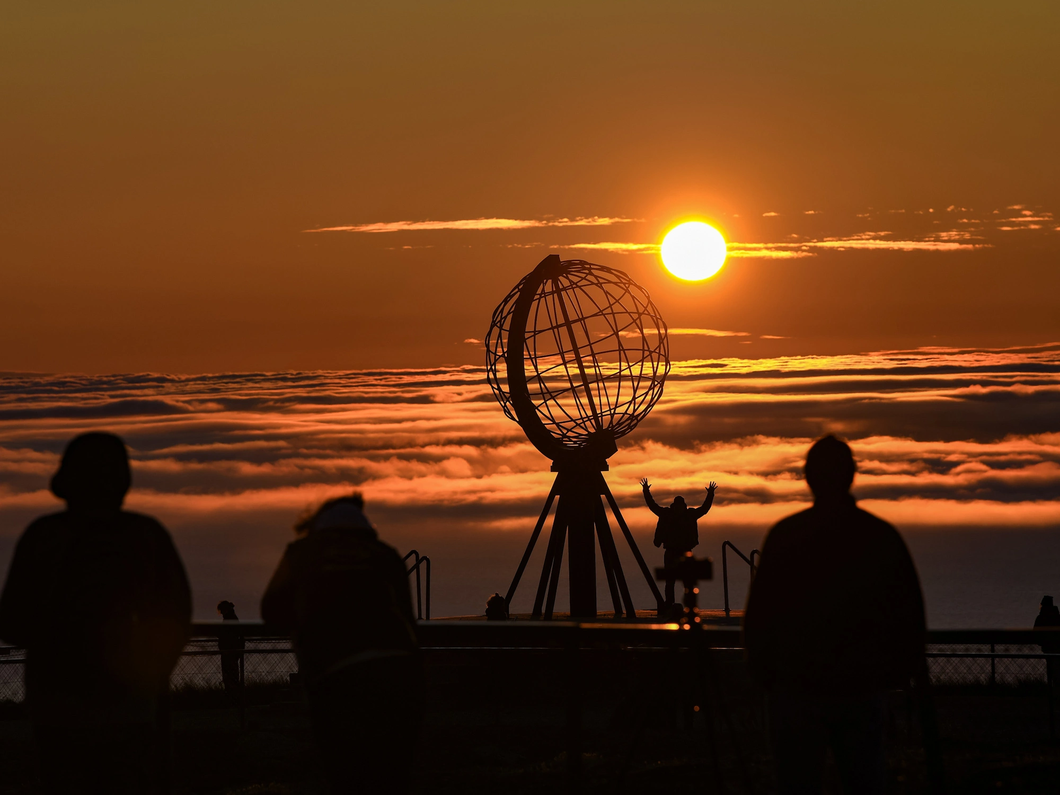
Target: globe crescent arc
(514,355)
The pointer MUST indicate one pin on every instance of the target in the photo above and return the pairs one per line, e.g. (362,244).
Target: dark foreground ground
(496,723)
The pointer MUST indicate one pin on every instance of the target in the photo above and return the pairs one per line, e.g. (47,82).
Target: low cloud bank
(944,437)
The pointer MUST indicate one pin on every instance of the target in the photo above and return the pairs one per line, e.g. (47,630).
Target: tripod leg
(530,546)
(557,562)
(558,522)
(632,544)
(603,532)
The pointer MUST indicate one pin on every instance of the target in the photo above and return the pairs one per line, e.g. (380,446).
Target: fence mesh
(272,661)
(985,669)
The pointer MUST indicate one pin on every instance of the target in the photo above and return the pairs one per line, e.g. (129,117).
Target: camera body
(688,569)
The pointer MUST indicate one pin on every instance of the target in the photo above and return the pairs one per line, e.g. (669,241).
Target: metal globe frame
(578,355)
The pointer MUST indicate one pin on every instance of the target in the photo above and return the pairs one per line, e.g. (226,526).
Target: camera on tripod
(689,570)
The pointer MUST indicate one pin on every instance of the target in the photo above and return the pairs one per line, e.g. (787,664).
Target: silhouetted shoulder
(790,530)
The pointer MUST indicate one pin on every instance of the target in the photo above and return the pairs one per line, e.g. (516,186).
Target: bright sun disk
(693,251)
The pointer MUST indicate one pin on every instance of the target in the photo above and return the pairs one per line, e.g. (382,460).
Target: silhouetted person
(1049,616)
(231,645)
(677,531)
(496,608)
(344,596)
(834,618)
(99,599)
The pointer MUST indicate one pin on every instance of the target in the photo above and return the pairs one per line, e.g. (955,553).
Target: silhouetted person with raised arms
(99,599)
(835,617)
(344,596)
(231,645)
(677,530)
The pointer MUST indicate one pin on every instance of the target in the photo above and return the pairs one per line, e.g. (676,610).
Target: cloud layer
(944,438)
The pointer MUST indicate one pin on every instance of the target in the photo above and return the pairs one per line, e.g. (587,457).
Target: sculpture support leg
(602,532)
(560,532)
(552,552)
(530,546)
(632,544)
(609,550)
(580,495)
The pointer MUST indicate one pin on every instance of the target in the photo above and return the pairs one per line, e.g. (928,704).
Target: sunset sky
(287,226)
(162,167)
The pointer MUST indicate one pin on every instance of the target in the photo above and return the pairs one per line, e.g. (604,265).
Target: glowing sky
(161,168)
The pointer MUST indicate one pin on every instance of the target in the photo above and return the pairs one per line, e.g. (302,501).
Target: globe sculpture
(577,354)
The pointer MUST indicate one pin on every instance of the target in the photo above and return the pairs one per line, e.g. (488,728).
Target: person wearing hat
(100,601)
(231,644)
(1049,616)
(834,619)
(343,595)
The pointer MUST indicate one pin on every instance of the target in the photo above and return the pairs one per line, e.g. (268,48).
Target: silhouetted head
(345,513)
(829,468)
(1047,601)
(679,502)
(227,610)
(94,472)
(496,608)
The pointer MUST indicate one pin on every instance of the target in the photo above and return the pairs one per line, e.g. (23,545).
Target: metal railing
(750,561)
(421,562)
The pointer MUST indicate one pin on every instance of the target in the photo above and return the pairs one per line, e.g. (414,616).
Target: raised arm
(702,509)
(648,499)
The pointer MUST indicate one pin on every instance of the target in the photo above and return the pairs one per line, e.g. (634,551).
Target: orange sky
(161,168)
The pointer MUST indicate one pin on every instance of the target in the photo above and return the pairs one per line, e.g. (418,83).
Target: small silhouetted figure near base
(677,531)
(1049,616)
(835,618)
(231,645)
(344,596)
(496,608)
(99,599)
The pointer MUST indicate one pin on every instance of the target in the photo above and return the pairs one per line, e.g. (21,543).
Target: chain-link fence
(986,664)
(265,660)
(270,661)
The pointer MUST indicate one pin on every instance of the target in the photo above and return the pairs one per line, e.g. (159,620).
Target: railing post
(242,689)
(993,667)
(1049,694)
(725,575)
(427,561)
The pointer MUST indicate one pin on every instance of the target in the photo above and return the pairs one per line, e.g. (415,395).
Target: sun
(693,251)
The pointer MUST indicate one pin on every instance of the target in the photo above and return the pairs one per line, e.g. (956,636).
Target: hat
(343,513)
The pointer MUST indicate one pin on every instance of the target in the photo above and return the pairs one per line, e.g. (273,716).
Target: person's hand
(712,487)
(644,482)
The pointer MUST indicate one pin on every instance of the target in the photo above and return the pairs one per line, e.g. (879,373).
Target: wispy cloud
(616,248)
(688,332)
(473,224)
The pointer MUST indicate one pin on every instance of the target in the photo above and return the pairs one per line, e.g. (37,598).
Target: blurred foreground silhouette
(343,595)
(835,618)
(99,598)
